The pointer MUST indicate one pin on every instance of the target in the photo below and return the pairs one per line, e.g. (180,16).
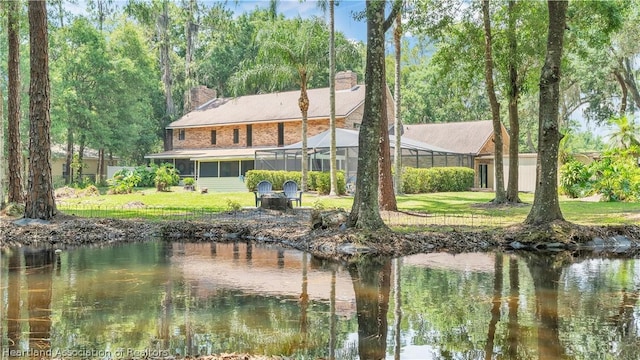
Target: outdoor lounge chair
(263,187)
(291,191)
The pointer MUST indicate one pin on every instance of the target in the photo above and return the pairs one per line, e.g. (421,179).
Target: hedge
(437,179)
(316,180)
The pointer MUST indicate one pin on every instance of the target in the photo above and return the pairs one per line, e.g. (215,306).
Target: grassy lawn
(447,205)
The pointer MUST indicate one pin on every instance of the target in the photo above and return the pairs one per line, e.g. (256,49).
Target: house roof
(344,139)
(349,138)
(467,137)
(206,154)
(280,106)
(60,151)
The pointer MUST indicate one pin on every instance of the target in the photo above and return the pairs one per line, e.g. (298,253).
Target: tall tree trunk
(303,103)
(165,62)
(69,160)
(80,165)
(2,158)
(365,213)
(191,30)
(16,192)
(100,174)
(514,95)
(495,106)
(40,202)
(546,205)
(397,38)
(623,91)
(385,192)
(332,100)
(630,80)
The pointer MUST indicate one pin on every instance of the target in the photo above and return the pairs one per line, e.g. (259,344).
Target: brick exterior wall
(263,135)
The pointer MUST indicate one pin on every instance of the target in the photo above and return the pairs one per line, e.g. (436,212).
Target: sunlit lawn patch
(457,209)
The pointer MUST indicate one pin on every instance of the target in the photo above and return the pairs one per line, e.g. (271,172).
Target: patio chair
(291,191)
(263,187)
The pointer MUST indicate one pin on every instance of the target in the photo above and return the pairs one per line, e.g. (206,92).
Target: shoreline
(325,240)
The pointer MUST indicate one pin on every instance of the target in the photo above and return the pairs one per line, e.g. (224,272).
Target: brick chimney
(345,80)
(199,95)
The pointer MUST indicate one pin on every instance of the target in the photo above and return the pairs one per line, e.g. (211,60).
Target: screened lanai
(414,154)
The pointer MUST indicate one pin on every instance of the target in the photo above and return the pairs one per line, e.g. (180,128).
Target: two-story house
(217,141)
(223,138)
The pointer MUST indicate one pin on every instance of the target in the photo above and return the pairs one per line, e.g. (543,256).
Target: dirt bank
(302,231)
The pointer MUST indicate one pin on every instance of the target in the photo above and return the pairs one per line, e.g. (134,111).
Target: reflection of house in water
(476,262)
(258,269)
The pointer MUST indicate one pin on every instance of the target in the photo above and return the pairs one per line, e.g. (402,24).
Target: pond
(159,298)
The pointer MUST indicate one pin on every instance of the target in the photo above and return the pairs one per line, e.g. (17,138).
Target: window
(249,136)
(484,175)
(181,134)
(209,169)
(280,134)
(229,168)
(236,136)
(213,137)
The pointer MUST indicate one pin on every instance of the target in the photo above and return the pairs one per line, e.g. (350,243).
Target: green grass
(449,205)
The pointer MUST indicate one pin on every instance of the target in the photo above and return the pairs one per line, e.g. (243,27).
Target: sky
(353,29)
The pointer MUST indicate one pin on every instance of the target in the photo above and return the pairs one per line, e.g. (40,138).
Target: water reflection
(193,299)
(372,282)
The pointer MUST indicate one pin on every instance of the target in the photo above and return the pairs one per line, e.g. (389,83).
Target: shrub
(233,206)
(438,179)
(189,181)
(575,179)
(123,182)
(316,180)
(147,175)
(616,176)
(166,176)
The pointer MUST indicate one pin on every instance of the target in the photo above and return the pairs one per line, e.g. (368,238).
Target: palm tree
(332,100)
(625,133)
(397,38)
(291,52)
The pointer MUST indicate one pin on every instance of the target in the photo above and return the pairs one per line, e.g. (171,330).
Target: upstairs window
(280,134)
(181,134)
(249,136)
(236,136)
(214,137)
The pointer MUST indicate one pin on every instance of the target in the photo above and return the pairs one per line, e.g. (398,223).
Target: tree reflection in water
(204,299)
(39,272)
(13,301)
(371,279)
(546,271)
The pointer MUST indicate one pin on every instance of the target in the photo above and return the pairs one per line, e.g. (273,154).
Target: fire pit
(275,201)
